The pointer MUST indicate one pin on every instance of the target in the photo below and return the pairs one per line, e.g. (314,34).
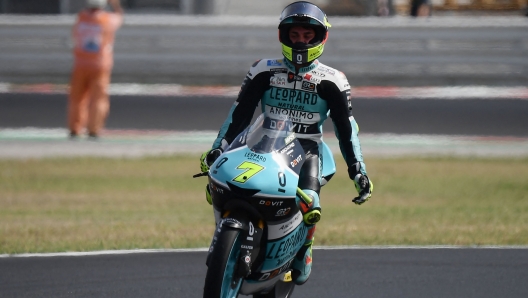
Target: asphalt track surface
(471,117)
(357,272)
(368,272)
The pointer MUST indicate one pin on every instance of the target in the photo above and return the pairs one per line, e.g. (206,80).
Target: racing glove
(208,158)
(364,185)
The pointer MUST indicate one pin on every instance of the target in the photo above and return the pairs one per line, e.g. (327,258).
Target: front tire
(280,290)
(220,281)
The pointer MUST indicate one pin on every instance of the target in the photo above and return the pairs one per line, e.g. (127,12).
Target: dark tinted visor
(303,9)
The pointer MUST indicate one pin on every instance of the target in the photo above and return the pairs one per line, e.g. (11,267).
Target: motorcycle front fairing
(261,166)
(261,169)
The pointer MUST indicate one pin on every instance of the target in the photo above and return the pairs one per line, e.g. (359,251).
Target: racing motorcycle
(260,226)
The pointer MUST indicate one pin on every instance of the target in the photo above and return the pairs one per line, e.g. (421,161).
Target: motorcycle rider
(304,90)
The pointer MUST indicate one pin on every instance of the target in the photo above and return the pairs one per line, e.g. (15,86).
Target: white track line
(378,92)
(204,249)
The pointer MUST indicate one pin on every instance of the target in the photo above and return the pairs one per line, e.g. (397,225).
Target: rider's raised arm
(337,95)
(239,117)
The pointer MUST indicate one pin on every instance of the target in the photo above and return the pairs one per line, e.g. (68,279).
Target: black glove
(208,158)
(364,188)
(364,185)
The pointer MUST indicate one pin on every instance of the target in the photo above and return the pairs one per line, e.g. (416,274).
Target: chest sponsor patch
(293,77)
(327,70)
(275,71)
(318,73)
(293,96)
(311,78)
(274,63)
(294,115)
(277,81)
(308,86)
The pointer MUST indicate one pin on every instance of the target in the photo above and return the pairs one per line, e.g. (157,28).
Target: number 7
(251,169)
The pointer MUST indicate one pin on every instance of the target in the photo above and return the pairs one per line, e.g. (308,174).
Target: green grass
(84,204)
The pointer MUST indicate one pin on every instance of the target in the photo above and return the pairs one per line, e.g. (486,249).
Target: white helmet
(96,3)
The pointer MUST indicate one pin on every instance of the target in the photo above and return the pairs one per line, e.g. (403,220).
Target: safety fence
(437,51)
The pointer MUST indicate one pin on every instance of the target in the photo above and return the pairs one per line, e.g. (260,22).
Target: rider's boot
(302,263)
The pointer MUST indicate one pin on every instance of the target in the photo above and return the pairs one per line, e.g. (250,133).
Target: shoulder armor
(273,65)
(333,75)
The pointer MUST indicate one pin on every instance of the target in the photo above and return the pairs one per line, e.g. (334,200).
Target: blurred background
(245,7)
(428,78)
(194,54)
(213,42)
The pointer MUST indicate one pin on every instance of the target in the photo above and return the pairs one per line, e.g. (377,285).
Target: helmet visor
(304,9)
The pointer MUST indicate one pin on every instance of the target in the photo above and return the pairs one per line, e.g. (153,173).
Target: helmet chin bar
(302,56)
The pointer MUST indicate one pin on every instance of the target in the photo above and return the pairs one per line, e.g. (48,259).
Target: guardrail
(219,50)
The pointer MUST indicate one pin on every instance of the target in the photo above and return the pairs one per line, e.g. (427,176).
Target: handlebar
(201,174)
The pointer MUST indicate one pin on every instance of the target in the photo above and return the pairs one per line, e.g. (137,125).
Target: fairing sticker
(280,230)
(280,252)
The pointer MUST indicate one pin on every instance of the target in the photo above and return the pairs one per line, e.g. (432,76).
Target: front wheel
(280,290)
(220,281)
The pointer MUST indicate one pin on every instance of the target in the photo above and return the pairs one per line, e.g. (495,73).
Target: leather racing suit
(307,98)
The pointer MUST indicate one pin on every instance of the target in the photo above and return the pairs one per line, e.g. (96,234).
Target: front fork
(251,233)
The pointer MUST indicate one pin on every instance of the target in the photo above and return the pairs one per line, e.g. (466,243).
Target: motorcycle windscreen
(267,135)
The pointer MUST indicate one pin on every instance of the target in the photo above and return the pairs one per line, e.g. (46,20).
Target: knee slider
(312,217)
(310,208)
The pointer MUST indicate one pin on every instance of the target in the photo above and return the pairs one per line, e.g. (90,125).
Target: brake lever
(201,174)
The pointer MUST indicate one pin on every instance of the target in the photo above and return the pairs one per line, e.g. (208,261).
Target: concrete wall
(219,50)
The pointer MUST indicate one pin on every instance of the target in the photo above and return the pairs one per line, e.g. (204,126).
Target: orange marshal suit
(93,35)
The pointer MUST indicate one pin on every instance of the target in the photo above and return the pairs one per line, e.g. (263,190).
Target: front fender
(253,236)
